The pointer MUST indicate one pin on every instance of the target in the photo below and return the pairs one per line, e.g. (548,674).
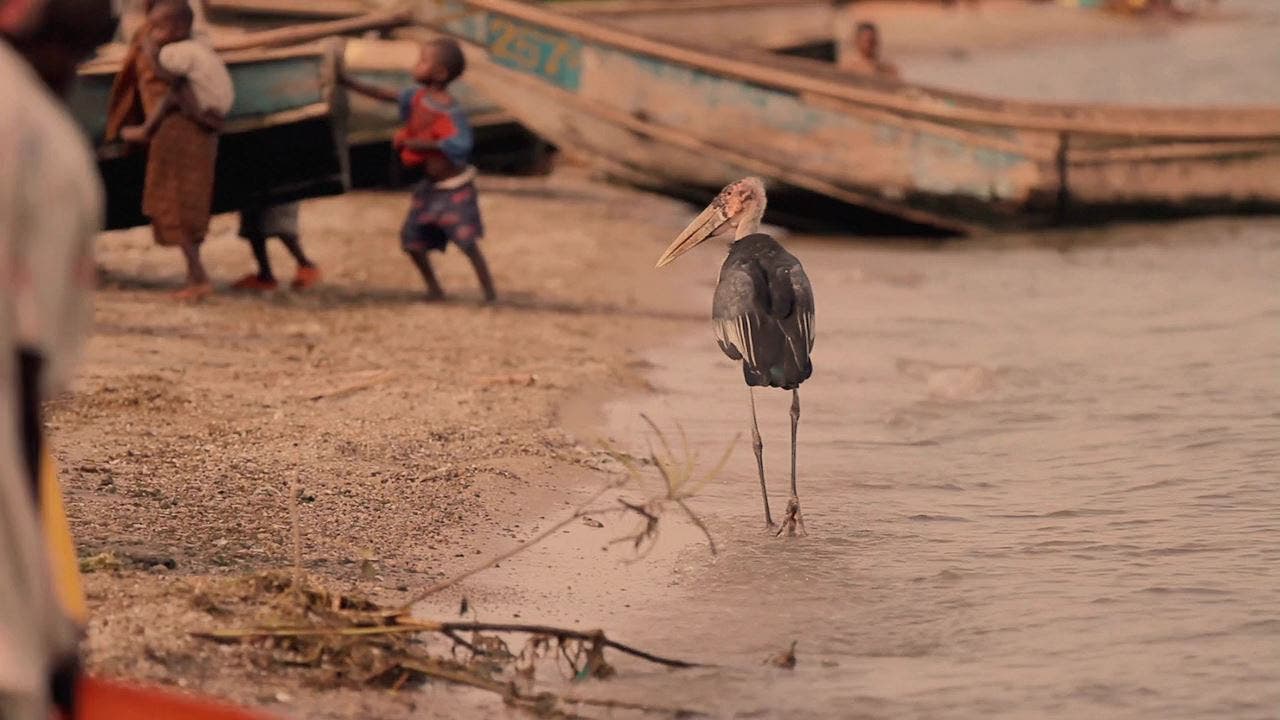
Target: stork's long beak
(702,227)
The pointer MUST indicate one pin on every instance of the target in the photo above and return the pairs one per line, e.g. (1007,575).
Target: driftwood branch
(403,626)
(595,636)
(540,703)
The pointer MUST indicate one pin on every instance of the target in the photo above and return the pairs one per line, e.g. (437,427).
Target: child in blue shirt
(437,138)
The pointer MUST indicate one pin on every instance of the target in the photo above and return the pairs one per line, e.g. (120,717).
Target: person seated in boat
(185,90)
(437,138)
(862,56)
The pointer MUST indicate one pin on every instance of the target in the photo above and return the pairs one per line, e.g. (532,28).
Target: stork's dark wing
(736,310)
(792,280)
(763,313)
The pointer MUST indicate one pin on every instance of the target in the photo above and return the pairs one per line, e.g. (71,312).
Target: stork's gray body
(763,313)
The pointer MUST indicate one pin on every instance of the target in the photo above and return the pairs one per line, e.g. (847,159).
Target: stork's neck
(750,222)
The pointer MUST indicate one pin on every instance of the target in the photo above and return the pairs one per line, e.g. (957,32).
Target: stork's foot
(793,522)
(770,526)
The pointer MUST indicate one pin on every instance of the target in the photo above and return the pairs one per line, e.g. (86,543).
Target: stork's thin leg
(793,518)
(758,446)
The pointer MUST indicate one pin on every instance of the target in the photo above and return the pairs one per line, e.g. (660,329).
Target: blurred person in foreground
(51,205)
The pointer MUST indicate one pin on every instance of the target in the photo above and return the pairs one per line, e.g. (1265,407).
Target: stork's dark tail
(787,374)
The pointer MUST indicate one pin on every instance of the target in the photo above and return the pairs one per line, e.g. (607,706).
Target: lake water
(1041,479)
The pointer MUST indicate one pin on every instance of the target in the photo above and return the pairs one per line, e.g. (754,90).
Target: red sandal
(253,282)
(306,277)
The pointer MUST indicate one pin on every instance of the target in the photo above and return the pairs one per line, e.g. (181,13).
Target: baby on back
(202,88)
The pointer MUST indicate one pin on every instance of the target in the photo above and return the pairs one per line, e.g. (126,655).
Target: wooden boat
(689,119)
(284,139)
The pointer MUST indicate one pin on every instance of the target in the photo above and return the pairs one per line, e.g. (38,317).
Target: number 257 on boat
(535,51)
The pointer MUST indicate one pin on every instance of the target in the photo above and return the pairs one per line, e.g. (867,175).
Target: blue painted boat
(689,119)
(285,137)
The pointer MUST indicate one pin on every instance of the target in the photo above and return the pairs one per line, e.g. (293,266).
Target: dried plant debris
(350,641)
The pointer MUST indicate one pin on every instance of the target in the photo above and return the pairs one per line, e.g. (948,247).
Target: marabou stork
(762,311)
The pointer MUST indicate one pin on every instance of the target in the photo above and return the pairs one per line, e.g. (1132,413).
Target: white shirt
(201,66)
(50,210)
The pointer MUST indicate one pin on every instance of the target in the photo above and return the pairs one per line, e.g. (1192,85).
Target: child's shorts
(438,216)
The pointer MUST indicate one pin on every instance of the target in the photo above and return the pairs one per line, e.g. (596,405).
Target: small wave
(1190,549)
(1167,482)
(1056,514)
(938,518)
(1188,590)
(947,575)
(951,383)
(1136,522)
(1271,625)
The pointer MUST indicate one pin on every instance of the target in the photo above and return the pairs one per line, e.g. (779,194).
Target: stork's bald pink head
(738,208)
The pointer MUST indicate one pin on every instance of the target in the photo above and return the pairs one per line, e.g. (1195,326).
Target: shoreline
(420,437)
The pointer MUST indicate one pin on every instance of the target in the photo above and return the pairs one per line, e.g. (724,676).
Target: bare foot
(195,292)
(793,521)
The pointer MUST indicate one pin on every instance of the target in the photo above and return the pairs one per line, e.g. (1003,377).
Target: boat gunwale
(1164,122)
(248,123)
(614,8)
(318,49)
